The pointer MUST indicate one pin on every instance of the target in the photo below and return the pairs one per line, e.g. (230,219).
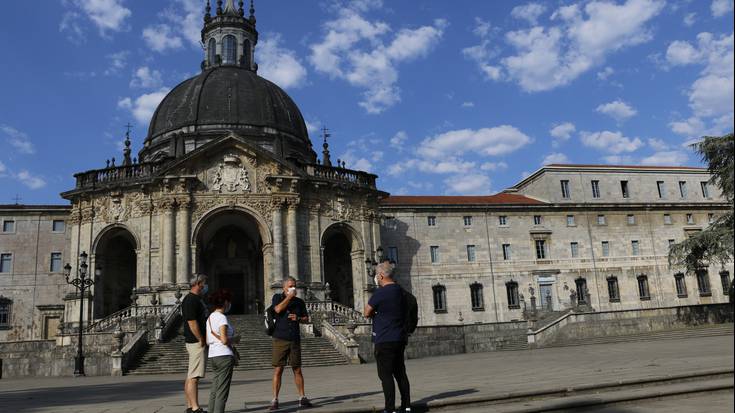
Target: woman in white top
(220,338)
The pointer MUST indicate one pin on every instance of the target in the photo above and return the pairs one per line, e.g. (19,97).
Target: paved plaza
(355,387)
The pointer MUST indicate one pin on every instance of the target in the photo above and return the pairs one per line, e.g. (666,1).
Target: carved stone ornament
(342,210)
(230,176)
(116,210)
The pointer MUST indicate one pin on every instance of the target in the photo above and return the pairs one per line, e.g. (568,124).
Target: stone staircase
(691,332)
(255,351)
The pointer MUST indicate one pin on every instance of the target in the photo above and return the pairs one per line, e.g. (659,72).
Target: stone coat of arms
(231,176)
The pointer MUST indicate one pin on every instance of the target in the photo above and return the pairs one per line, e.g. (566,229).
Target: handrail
(345,346)
(134,312)
(335,312)
(341,174)
(117,174)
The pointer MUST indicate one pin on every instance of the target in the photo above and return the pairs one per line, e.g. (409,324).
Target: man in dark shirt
(194,311)
(290,311)
(387,308)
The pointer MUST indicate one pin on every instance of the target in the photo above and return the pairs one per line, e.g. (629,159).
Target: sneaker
(188,410)
(199,410)
(304,402)
(274,405)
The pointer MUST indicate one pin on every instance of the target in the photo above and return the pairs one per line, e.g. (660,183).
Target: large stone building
(228,184)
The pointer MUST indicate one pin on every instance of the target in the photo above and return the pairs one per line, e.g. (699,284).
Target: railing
(342,174)
(131,315)
(345,346)
(334,313)
(117,174)
(600,261)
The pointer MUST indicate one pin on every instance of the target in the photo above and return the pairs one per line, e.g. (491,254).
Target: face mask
(205,289)
(377,284)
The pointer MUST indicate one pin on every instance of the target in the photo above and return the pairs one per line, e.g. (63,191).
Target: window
(605,248)
(540,249)
(613,289)
(55,263)
(725,280)
(683,191)
(246,52)
(9,226)
(6,307)
(470,253)
(710,218)
(705,189)
(440,298)
(574,249)
(478,301)
(631,219)
(624,189)
(467,221)
(570,221)
(661,186)
(635,247)
(502,220)
(229,50)
(595,189)
(601,220)
(511,289)
(431,221)
(506,252)
(582,291)
(6,263)
(212,51)
(643,291)
(58,225)
(537,220)
(565,190)
(393,254)
(703,283)
(681,285)
(690,219)
(434,254)
(667,219)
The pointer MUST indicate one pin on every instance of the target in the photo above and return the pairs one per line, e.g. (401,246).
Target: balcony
(117,175)
(341,175)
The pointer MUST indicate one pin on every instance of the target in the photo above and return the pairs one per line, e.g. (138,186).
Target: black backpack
(411,307)
(270,320)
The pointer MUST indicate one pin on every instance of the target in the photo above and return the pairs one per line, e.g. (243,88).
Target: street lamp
(81,282)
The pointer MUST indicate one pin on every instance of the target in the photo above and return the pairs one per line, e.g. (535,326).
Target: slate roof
(498,199)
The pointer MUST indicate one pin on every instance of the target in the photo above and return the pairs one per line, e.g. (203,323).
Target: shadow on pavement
(293,406)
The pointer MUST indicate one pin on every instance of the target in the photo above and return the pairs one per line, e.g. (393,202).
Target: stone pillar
(292,234)
(183,265)
(277,241)
(169,241)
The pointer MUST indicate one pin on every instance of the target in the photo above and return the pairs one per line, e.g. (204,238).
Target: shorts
(197,360)
(286,353)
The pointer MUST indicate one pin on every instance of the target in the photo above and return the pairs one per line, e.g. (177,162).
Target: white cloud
(146,78)
(30,180)
(605,73)
(3,169)
(161,38)
(118,61)
(690,19)
(529,12)
(499,140)
(70,24)
(658,144)
(107,15)
(398,140)
(682,53)
(618,110)
(544,58)
(353,49)
(280,65)
(143,106)
(468,104)
(563,130)
(18,140)
(618,160)
(688,127)
(494,166)
(356,162)
(666,158)
(721,7)
(555,158)
(611,142)
(468,184)
(313,126)
(481,54)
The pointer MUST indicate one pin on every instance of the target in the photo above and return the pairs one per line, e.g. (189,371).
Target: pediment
(229,165)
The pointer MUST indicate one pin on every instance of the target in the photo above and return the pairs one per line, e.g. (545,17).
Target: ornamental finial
(252,11)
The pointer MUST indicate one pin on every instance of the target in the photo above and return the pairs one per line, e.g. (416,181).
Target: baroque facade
(227,183)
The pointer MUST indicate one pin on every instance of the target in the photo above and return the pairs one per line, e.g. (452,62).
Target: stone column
(183,265)
(292,234)
(277,240)
(169,241)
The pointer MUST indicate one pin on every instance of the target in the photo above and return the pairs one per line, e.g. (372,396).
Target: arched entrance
(230,252)
(342,261)
(115,254)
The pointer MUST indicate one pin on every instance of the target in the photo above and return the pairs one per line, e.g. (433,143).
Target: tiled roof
(498,199)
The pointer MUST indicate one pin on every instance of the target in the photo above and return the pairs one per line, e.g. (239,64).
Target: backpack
(270,320)
(411,307)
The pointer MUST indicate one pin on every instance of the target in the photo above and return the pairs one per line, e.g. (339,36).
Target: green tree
(715,243)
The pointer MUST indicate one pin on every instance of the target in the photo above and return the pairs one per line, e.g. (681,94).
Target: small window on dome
(228,49)
(246,52)
(212,51)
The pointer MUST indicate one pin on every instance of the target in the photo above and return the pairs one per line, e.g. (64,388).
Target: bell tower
(229,38)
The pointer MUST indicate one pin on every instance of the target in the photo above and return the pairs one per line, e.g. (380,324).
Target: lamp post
(82,283)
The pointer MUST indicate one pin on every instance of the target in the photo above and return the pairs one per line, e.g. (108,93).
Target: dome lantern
(229,37)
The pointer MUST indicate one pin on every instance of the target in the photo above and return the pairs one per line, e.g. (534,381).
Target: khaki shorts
(286,353)
(197,360)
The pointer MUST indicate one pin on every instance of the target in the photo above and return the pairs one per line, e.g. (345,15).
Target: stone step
(707,331)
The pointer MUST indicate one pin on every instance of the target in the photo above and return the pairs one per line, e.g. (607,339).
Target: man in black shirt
(290,311)
(194,311)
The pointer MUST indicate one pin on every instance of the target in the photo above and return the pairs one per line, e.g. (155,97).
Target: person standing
(387,308)
(220,338)
(290,311)
(194,311)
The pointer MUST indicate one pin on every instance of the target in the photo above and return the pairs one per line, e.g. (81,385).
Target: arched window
(478,301)
(511,288)
(440,298)
(212,52)
(246,53)
(643,292)
(703,283)
(6,306)
(228,50)
(582,291)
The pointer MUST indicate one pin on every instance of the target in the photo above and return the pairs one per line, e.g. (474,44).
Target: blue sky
(436,97)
